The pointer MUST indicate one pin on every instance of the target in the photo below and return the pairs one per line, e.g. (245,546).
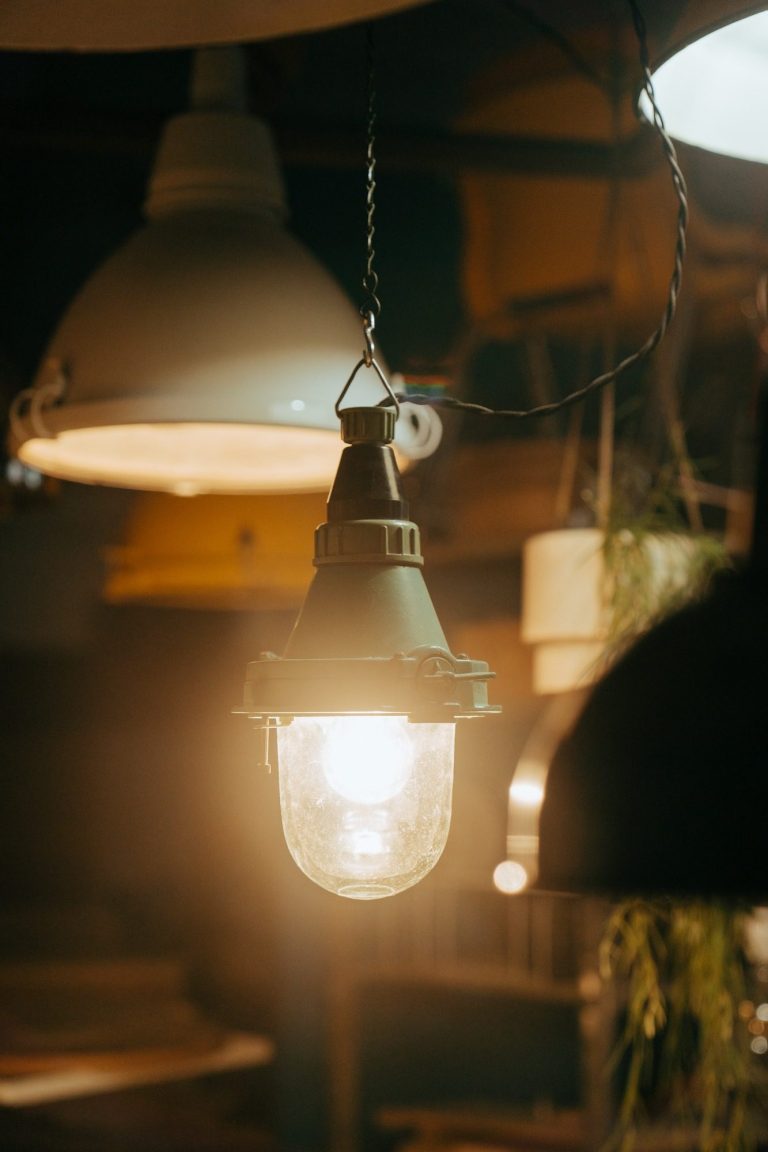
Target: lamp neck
(218,81)
(216,156)
(367,486)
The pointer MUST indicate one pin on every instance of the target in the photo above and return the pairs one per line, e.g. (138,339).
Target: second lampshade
(205,355)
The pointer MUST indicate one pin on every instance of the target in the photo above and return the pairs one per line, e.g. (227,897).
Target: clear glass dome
(365,800)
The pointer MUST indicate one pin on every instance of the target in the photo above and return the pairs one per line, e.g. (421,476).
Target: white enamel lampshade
(138,25)
(711,79)
(207,353)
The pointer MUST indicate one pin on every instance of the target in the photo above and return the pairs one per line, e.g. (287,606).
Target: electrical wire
(655,338)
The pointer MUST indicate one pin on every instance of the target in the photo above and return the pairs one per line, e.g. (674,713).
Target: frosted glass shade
(365,800)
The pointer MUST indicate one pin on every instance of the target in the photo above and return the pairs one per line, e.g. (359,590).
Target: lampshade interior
(191,458)
(713,93)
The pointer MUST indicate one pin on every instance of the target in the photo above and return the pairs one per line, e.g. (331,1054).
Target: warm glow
(191,459)
(526,793)
(365,800)
(714,92)
(367,759)
(187,459)
(510,877)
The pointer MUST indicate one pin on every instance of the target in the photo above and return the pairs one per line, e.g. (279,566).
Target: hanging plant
(684,1048)
(684,1051)
(653,563)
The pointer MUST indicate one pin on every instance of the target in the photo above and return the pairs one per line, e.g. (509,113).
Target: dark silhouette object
(662,785)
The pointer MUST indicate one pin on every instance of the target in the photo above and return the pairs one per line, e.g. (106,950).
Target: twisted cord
(653,341)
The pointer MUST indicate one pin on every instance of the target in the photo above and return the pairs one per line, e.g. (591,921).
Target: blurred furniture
(472,1130)
(448,1004)
(109,1048)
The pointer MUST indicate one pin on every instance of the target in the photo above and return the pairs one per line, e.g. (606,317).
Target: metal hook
(369,363)
(369,323)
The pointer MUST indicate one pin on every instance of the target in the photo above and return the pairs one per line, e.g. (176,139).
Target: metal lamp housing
(366,697)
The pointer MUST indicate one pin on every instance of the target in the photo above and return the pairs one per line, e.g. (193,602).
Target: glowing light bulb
(367,759)
(365,800)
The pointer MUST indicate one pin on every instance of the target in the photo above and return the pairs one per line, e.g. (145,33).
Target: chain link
(371,306)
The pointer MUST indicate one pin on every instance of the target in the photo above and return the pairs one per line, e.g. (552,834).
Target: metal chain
(673,291)
(370,309)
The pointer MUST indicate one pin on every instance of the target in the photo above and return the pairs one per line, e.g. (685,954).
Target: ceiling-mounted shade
(137,25)
(207,353)
(711,78)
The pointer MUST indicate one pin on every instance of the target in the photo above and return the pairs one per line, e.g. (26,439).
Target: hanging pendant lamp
(205,354)
(366,698)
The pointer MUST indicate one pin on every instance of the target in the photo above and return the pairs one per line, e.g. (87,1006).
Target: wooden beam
(450,153)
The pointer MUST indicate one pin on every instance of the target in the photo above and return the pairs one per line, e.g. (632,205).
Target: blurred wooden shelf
(89,1074)
(471,977)
(468,1129)
(82,1028)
